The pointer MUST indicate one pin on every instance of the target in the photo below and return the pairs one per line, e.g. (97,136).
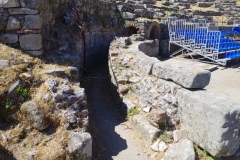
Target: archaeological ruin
(126,79)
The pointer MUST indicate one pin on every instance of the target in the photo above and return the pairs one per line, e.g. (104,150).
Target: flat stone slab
(9,3)
(212,121)
(10,38)
(184,75)
(31,41)
(148,132)
(22,11)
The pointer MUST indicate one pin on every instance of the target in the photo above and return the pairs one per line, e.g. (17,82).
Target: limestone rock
(159,146)
(9,3)
(184,75)
(21,11)
(13,23)
(211,121)
(35,115)
(32,22)
(157,117)
(10,38)
(135,79)
(128,16)
(123,89)
(126,106)
(35,53)
(56,71)
(179,135)
(80,145)
(183,150)
(31,41)
(147,131)
(4,64)
(146,63)
(29,3)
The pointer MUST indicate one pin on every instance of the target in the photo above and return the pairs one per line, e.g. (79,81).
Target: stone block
(21,11)
(35,115)
(4,64)
(148,132)
(128,16)
(146,63)
(9,38)
(80,145)
(32,22)
(179,135)
(29,3)
(183,150)
(212,121)
(35,53)
(184,75)
(31,41)
(3,24)
(13,23)
(9,3)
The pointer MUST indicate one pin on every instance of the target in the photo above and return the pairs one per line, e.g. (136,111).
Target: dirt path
(107,126)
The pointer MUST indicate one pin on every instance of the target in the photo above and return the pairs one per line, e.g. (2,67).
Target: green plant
(53,7)
(133,111)
(23,92)
(8,104)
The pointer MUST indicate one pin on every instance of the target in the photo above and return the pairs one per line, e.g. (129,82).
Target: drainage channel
(112,136)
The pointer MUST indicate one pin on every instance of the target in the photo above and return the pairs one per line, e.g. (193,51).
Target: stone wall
(209,120)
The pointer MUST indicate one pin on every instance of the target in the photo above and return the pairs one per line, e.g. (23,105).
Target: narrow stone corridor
(107,126)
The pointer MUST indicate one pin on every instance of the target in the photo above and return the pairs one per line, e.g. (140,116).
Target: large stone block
(32,22)
(184,75)
(212,121)
(10,38)
(31,41)
(13,23)
(148,132)
(9,3)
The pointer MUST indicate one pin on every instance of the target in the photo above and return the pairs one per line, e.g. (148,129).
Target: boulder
(35,115)
(10,38)
(148,132)
(32,22)
(13,23)
(80,145)
(184,75)
(183,150)
(31,41)
(212,121)
(9,3)
(146,63)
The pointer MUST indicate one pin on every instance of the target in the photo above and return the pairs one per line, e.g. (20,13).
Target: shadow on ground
(104,115)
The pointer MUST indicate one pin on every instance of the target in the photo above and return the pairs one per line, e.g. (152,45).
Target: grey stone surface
(54,71)
(13,23)
(9,3)
(128,16)
(184,75)
(126,106)
(183,150)
(212,121)
(29,3)
(146,63)
(157,117)
(4,64)
(148,132)
(159,146)
(35,53)
(22,11)
(135,79)
(150,47)
(179,135)
(31,41)
(80,145)
(32,22)
(10,38)
(35,115)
